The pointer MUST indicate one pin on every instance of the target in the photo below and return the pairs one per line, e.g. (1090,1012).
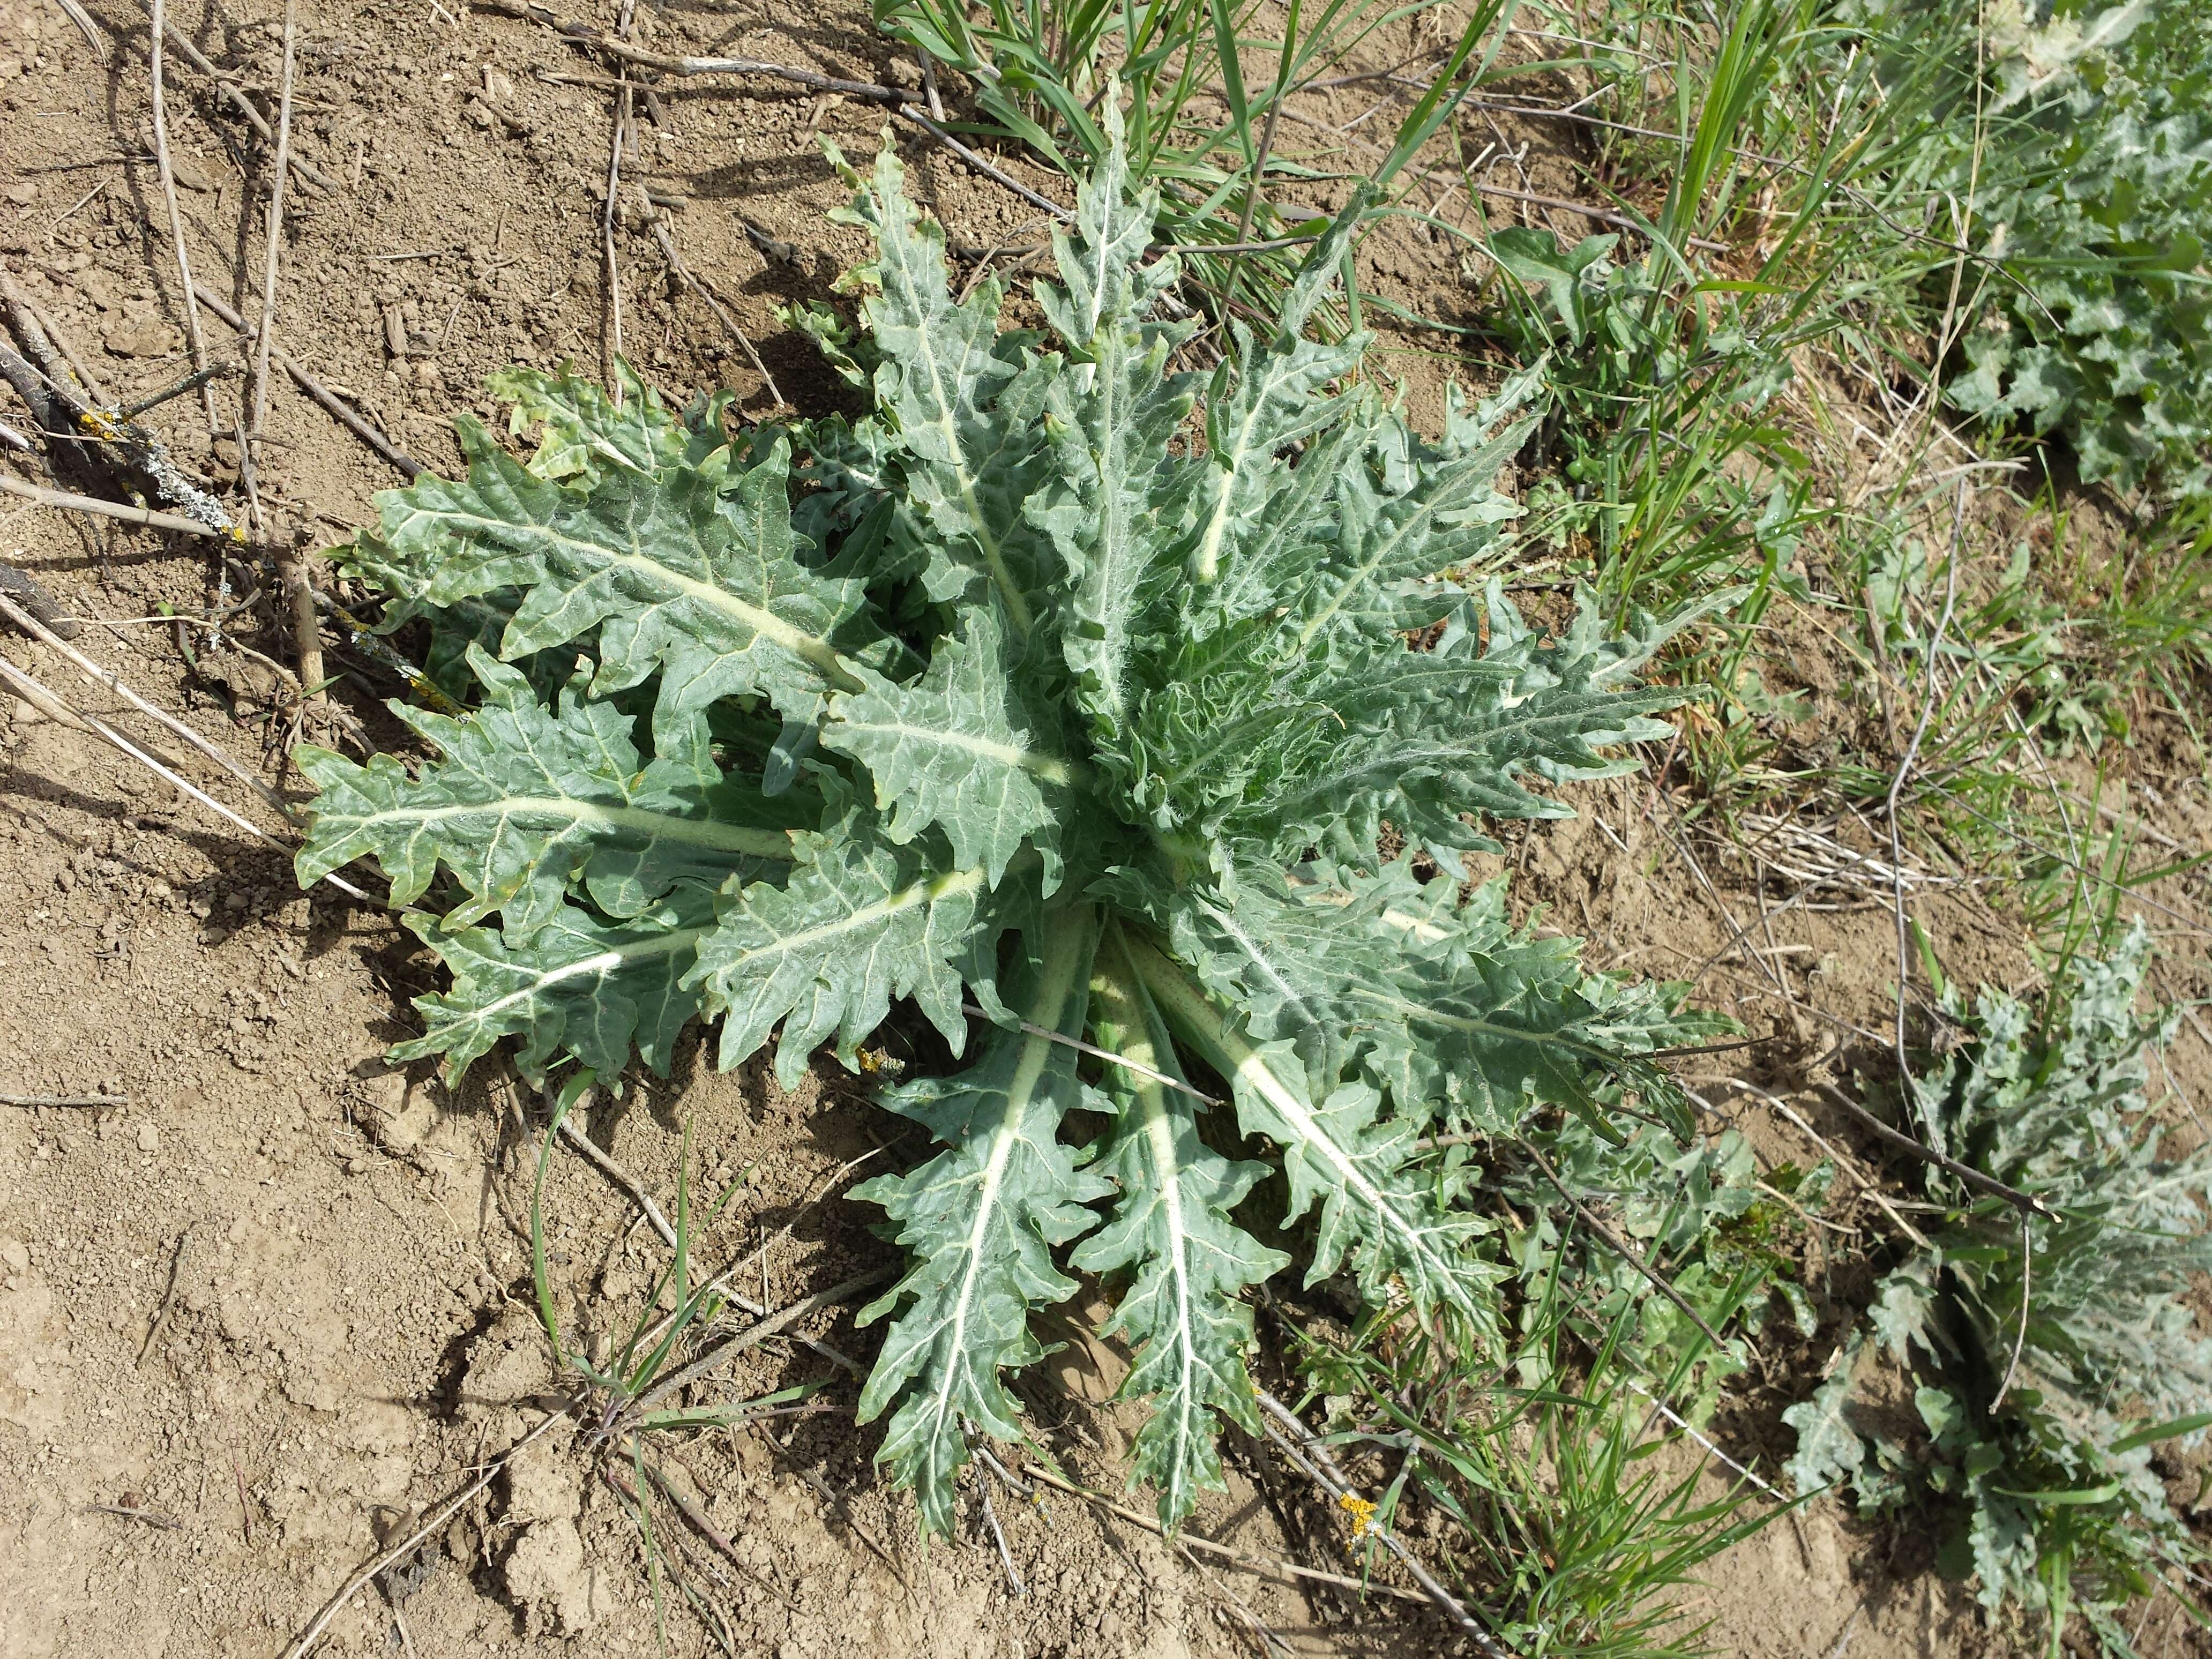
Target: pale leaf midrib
(1423,513)
(1017,609)
(1247,1065)
(1020,1094)
(598,964)
(653,826)
(929,891)
(1409,756)
(1159,1131)
(1049,766)
(1252,1066)
(1471,1026)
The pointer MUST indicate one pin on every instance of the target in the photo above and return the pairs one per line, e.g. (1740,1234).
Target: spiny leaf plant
(2045,1380)
(1067,691)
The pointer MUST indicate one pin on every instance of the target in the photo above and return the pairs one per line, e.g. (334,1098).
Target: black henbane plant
(1030,692)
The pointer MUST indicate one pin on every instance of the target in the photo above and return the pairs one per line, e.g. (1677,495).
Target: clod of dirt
(548,1580)
(1089,1371)
(399,1117)
(506,1366)
(142,339)
(542,1484)
(406,1575)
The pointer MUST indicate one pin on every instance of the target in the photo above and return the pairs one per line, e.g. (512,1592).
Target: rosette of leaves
(1068,693)
(2049,1453)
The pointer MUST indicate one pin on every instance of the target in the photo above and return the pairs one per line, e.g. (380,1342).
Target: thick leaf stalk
(1190,1265)
(981,1221)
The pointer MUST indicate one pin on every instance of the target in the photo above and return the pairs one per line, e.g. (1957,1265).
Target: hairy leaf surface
(1374,1207)
(1117,514)
(1450,1007)
(960,752)
(686,573)
(860,920)
(528,803)
(583,431)
(578,986)
(967,408)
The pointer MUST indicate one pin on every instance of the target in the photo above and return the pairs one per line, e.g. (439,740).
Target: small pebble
(149,1137)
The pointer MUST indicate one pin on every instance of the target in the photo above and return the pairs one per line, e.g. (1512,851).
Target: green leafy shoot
(2050,1452)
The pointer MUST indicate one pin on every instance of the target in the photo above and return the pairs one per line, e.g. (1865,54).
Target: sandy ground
(274,1302)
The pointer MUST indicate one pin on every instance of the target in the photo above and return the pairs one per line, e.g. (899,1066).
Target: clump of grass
(1539,1460)
(634,1399)
(1204,85)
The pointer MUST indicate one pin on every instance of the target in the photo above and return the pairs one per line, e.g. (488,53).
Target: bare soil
(273,1303)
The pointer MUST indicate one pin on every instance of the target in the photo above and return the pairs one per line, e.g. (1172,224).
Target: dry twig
(272,244)
(25,687)
(113,682)
(437,1516)
(2026,1203)
(238,101)
(144,518)
(1835,1155)
(57,343)
(169,1296)
(611,341)
(695,1516)
(1250,1562)
(753,1334)
(623,1179)
(26,589)
(676,266)
(999,1536)
(131,1512)
(157,35)
(1905,770)
(897,100)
